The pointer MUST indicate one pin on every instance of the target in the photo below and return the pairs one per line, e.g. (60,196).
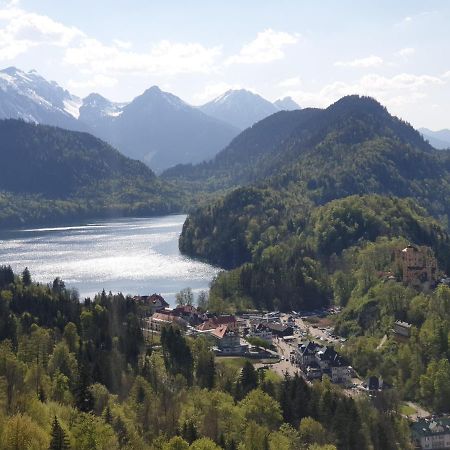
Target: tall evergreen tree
(248,378)
(206,370)
(84,400)
(26,277)
(59,440)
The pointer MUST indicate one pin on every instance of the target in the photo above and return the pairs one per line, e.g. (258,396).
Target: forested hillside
(49,174)
(283,253)
(81,376)
(239,163)
(354,147)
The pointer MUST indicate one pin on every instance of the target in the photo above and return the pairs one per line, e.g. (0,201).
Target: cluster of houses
(317,360)
(268,327)
(224,330)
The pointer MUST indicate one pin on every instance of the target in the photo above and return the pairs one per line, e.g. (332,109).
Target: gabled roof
(403,324)
(215,322)
(166,316)
(154,299)
(185,309)
(326,353)
(221,331)
(276,326)
(431,427)
(338,361)
(308,348)
(157,299)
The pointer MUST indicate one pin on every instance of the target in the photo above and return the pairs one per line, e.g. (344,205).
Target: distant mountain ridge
(438,139)
(286,104)
(155,127)
(243,108)
(286,139)
(161,129)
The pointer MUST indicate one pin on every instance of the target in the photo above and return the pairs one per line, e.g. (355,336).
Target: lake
(132,256)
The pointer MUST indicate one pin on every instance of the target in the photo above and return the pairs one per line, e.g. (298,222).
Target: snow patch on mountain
(73,106)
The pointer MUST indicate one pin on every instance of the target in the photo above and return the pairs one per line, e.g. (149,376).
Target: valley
(158,257)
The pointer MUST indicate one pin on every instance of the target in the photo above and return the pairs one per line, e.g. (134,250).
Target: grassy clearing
(407,410)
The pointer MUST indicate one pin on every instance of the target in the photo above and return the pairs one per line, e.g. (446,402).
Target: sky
(315,51)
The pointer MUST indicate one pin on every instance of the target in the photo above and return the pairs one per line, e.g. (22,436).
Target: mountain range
(243,108)
(156,127)
(351,131)
(438,139)
(291,162)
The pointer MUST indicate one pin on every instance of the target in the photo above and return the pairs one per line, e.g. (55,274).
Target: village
(302,342)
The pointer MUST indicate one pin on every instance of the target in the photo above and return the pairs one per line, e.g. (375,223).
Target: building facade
(418,266)
(431,433)
(316,361)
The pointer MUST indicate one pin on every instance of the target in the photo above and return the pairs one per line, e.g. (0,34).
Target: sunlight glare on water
(133,256)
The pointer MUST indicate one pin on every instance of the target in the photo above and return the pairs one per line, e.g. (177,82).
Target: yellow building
(418,266)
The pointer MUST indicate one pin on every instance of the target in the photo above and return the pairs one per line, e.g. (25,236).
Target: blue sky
(315,51)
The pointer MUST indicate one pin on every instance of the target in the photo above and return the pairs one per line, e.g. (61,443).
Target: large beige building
(418,266)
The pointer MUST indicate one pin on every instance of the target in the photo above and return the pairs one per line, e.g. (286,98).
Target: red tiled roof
(165,316)
(221,331)
(205,326)
(186,309)
(222,320)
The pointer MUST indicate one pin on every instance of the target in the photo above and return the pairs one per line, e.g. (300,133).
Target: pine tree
(206,370)
(59,440)
(249,377)
(121,432)
(189,432)
(107,415)
(84,400)
(26,277)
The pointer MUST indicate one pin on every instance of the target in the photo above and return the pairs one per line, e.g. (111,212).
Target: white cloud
(163,58)
(406,52)
(122,44)
(98,81)
(21,30)
(290,82)
(266,47)
(369,61)
(212,91)
(392,91)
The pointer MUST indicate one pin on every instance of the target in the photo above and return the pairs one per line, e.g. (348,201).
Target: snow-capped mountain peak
(240,107)
(29,96)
